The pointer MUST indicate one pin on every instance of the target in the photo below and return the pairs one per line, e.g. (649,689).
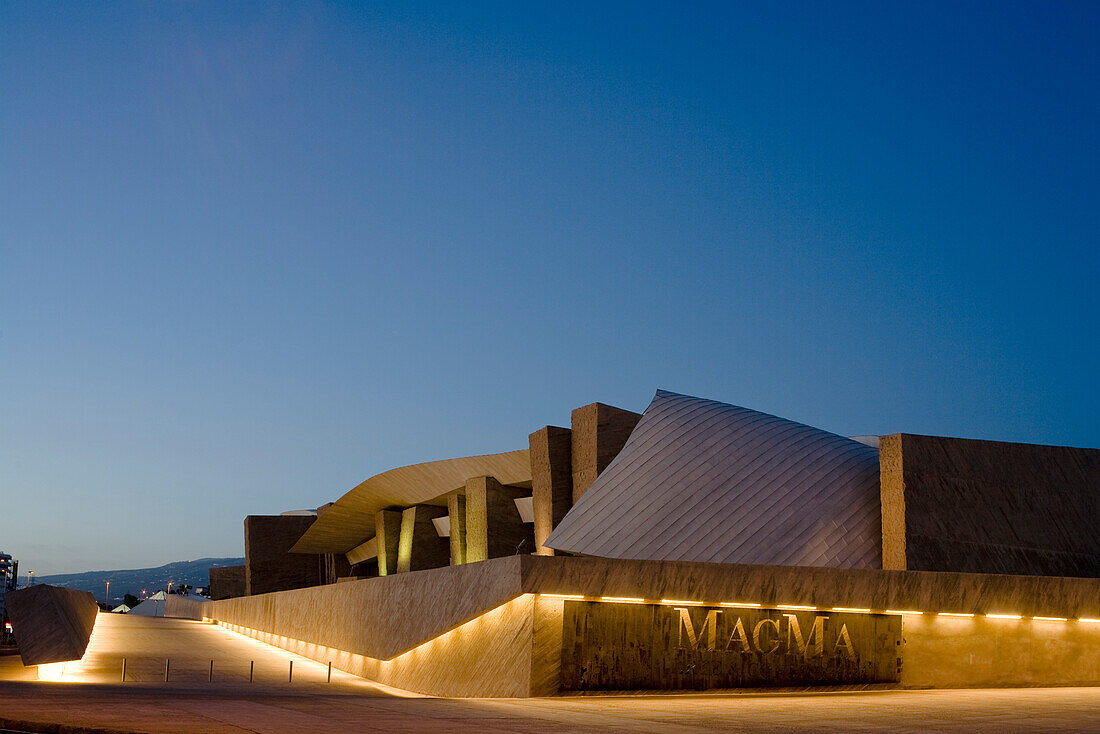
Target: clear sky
(252,253)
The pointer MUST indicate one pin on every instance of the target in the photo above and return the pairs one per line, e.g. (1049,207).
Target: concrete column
(456,511)
(551,480)
(494,527)
(599,434)
(420,546)
(387,529)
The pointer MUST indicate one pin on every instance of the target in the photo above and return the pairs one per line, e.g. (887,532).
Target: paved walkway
(179,710)
(91,694)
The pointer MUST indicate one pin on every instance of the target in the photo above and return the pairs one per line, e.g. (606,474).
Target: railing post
(123,670)
(167,664)
(290,678)
(251,669)
(329,678)
(210,678)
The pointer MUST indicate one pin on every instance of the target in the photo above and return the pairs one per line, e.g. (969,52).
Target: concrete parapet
(496,628)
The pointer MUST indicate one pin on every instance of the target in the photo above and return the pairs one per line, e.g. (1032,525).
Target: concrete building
(697,545)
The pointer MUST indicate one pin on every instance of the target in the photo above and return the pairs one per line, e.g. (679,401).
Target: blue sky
(253,253)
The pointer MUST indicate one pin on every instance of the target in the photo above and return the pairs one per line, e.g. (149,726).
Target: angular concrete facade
(721,547)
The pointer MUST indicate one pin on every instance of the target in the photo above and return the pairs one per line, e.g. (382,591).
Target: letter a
(739,637)
(844,642)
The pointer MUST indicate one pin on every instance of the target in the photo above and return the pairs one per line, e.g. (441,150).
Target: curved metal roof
(700,480)
(349,521)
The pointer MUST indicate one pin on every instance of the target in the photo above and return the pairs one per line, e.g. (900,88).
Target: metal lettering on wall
(637,646)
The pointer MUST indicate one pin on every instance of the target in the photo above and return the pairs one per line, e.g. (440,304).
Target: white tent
(121,609)
(151,607)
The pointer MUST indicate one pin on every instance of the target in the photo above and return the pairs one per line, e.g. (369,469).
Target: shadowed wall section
(51,624)
(269,564)
(226,582)
(952,504)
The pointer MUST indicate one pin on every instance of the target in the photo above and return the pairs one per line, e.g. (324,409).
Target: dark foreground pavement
(151,708)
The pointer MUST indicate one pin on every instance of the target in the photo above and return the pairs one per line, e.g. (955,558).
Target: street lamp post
(108,593)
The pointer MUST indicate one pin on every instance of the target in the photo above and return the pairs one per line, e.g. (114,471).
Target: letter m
(709,626)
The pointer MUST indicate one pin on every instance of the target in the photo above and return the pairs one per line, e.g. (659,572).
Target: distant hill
(133,581)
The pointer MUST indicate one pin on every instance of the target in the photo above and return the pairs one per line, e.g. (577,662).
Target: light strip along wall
(810,608)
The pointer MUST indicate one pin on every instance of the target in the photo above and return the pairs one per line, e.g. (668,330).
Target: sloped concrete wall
(495,628)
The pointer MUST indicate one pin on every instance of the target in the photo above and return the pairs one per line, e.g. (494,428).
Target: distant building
(9,579)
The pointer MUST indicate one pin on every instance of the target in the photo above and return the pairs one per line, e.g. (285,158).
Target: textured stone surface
(951,504)
(599,432)
(51,624)
(269,564)
(551,480)
(494,527)
(226,582)
(421,547)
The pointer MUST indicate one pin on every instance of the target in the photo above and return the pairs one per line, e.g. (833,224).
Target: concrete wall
(269,564)
(496,628)
(51,624)
(951,504)
(226,582)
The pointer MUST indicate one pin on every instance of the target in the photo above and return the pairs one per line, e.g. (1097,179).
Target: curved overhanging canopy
(350,520)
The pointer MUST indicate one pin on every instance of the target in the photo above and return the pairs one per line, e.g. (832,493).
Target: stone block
(269,564)
(494,527)
(952,504)
(456,513)
(51,624)
(599,433)
(420,546)
(551,451)
(387,533)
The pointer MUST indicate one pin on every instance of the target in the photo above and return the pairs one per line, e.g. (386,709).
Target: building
(696,545)
(9,579)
